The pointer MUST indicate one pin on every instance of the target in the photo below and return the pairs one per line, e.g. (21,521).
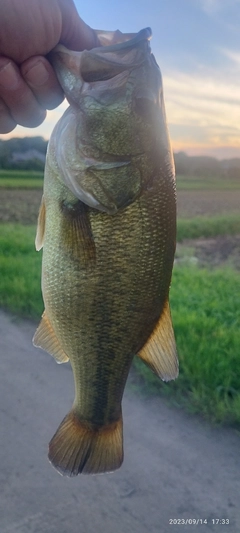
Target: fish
(107,226)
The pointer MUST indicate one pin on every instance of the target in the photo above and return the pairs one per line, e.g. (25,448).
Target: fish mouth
(116,40)
(109,41)
(116,52)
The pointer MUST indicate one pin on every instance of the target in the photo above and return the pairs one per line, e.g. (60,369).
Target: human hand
(29,29)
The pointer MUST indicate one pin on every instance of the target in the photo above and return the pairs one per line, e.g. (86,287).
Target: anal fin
(159,352)
(46,339)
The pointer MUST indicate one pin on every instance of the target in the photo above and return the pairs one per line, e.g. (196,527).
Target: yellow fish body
(107,226)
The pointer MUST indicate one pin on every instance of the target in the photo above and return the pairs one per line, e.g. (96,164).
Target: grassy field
(21,179)
(20,271)
(20,174)
(206,318)
(208,226)
(12,183)
(205,309)
(196,183)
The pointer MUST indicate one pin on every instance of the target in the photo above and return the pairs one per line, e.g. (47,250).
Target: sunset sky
(197,46)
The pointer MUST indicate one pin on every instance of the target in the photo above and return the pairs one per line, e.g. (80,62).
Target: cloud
(232,55)
(202,111)
(213,6)
(209,6)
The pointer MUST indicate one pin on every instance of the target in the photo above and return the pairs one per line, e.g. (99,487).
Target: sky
(197,46)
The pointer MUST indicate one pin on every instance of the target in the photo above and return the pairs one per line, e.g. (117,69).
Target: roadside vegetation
(205,226)
(21,179)
(205,310)
(198,183)
(206,318)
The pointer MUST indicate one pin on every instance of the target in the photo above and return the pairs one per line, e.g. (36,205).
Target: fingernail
(9,78)
(37,75)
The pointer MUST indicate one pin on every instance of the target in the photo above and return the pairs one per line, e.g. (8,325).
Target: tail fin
(78,448)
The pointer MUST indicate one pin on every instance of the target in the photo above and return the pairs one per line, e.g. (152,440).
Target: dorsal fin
(159,352)
(46,339)
(41,226)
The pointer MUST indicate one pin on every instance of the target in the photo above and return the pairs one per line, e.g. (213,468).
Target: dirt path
(176,466)
(223,250)
(209,203)
(22,205)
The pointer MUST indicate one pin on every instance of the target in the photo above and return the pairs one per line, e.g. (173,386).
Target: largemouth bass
(107,226)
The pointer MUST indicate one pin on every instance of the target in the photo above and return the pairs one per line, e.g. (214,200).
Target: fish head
(116,101)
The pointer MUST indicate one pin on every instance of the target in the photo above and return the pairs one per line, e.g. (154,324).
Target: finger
(41,78)
(18,97)
(7,123)
(76,34)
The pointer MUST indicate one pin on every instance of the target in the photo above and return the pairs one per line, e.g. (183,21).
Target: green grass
(206,316)
(202,226)
(12,183)
(33,179)
(20,174)
(196,183)
(21,179)
(20,267)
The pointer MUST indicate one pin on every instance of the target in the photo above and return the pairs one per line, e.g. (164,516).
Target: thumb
(76,34)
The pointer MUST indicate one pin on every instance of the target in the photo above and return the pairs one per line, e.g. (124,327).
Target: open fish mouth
(116,52)
(118,39)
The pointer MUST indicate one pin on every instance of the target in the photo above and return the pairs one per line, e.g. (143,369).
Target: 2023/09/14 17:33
(199,521)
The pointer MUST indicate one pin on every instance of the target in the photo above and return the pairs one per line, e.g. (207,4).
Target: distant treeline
(206,166)
(28,153)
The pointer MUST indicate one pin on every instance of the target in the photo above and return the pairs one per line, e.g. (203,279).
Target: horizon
(175,152)
(196,44)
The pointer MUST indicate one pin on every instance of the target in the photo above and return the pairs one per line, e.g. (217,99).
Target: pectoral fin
(46,339)
(41,226)
(160,353)
(77,234)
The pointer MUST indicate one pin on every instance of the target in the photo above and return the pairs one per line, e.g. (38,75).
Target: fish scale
(107,225)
